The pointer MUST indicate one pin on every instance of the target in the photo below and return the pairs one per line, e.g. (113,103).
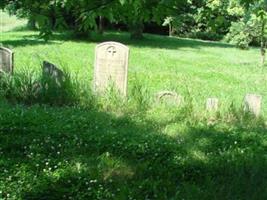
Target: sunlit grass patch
(8,23)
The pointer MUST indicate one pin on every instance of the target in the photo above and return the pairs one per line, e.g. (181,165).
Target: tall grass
(74,144)
(30,88)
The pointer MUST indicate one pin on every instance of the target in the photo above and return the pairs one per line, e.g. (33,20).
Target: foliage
(244,33)
(82,15)
(206,19)
(258,8)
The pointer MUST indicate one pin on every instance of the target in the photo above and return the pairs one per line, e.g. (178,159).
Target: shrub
(205,35)
(244,33)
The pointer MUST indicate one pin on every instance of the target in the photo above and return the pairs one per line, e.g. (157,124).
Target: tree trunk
(136,30)
(263,43)
(262,56)
(31,23)
(101,25)
(170,29)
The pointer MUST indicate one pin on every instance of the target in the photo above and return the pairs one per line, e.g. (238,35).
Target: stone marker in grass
(212,104)
(53,72)
(6,60)
(169,97)
(111,67)
(252,104)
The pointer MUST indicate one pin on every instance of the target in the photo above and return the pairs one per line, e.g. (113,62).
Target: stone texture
(53,72)
(252,104)
(111,67)
(6,60)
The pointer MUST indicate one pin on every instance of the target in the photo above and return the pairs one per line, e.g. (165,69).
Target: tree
(134,13)
(204,19)
(50,14)
(258,8)
(82,15)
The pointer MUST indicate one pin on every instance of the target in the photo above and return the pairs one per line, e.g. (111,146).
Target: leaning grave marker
(111,66)
(53,72)
(6,60)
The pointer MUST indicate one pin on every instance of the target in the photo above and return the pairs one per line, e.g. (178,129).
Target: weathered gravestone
(6,60)
(252,104)
(53,72)
(111,67)
(212,104)
(169,97)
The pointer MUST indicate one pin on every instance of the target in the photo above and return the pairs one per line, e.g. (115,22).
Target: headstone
(111,67)
(169,97)
(53,72)
(6,60)
(252,104)
(212,104)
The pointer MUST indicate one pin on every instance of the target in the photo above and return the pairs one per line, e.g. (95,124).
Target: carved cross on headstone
(111,50)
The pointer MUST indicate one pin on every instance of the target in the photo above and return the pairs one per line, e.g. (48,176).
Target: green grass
(206,69)
(66,143)
(77,153)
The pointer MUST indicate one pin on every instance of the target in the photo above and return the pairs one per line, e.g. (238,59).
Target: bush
(205,36)
(244,33)
(238,36)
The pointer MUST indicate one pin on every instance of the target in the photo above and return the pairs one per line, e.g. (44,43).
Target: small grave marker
(212,104)
(252,104)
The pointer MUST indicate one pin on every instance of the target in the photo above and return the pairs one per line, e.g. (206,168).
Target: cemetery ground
(66,143)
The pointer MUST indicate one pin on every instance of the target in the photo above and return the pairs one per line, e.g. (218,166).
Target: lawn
(206,69)
(134,148)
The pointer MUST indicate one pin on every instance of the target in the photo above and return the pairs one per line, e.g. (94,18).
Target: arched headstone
(111,67)
(6,60)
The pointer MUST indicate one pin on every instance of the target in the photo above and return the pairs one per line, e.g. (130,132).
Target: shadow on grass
(75,153)
(151,41)
(155,41)
(25,42)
